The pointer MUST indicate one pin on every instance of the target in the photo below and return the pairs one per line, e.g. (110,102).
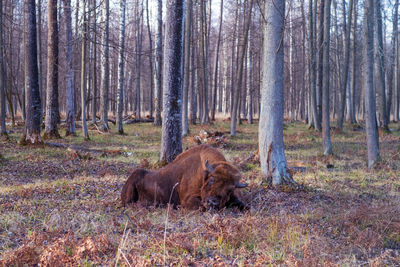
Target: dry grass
(56,210)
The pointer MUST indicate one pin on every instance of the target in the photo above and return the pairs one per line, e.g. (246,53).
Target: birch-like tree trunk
(83,71)
(3,130)
(171,140)
(52,112)
(70,116)
(186,72)
(121,64)
(235,108)
(214,96)
(105,70)
(344,81)
(33,104)
(270,131)
(370,105)
(158,77)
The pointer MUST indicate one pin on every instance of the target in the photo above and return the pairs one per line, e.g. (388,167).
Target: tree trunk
(326,136)
(344,81)
(157,119)
(105,71)
(70,117)
(313,81)
(380,68)
(83,72)
(272,153)
(3,130)
(370,106)
(39,44)
(393,59)
(150,60)
(52,112)
(204,63)
(33,105)
(353,72)
(240,72)
(121,62)
(171,141)
(320,50)
(186,72)
(214,96)
(138,61)
(94,102)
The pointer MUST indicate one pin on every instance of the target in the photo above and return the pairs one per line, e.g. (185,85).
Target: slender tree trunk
(150,60)
(94,102)
(344,81)
(240,71)
(105,71)
(138,61)
(193,87)
(70,117)
(353,73)
(320,50)
(326,136)
(39,42)
(3,130)
(121,63)
(204,63)
(393,59)
(270,138)
(312,85)
(83,71)
(157,119)
(251,83)
(380,69)
(33,105)
(171,141)
(370,106)
(186,72)
(52,112)
(214,96)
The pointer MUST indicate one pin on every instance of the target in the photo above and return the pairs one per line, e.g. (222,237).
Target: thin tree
(158,76)
(121,62)
(235,108)
(33,103)
(214,95)
(391,77)
(270,131)
(312,67)
(380,69)
(94,75)
(105,71)
(370,105)
(353,77)
(52,112)
(83,71)
(186,72)
(326,136)
(150,60)
(320,44)
(171,140)
(3,130)
(70,117)
(344,82)
(204,62)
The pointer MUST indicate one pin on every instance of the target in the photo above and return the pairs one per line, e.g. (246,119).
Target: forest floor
(61,208)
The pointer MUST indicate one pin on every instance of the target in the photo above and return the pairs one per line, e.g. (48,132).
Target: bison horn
(240,185)
(208,166)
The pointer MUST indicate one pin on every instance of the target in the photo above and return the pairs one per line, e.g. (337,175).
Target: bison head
(219,182)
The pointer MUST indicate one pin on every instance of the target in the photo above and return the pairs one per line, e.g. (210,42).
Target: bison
(198,178)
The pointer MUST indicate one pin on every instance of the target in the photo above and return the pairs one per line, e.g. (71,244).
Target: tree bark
(204,62)
(150,60)
(344,81)
(393,59)
(3,130)
(33,103)
(157,120)
(240,72)
(171,141)
(380,69)
(83,72)
(105,71)
(94,82)
(121,64)
(370,105)
(326,136)
(52,110)
(320,50)
(353,72)
(272,153)
(186,72)
(214,96)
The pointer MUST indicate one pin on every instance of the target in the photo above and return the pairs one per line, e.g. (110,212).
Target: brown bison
(198,178)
